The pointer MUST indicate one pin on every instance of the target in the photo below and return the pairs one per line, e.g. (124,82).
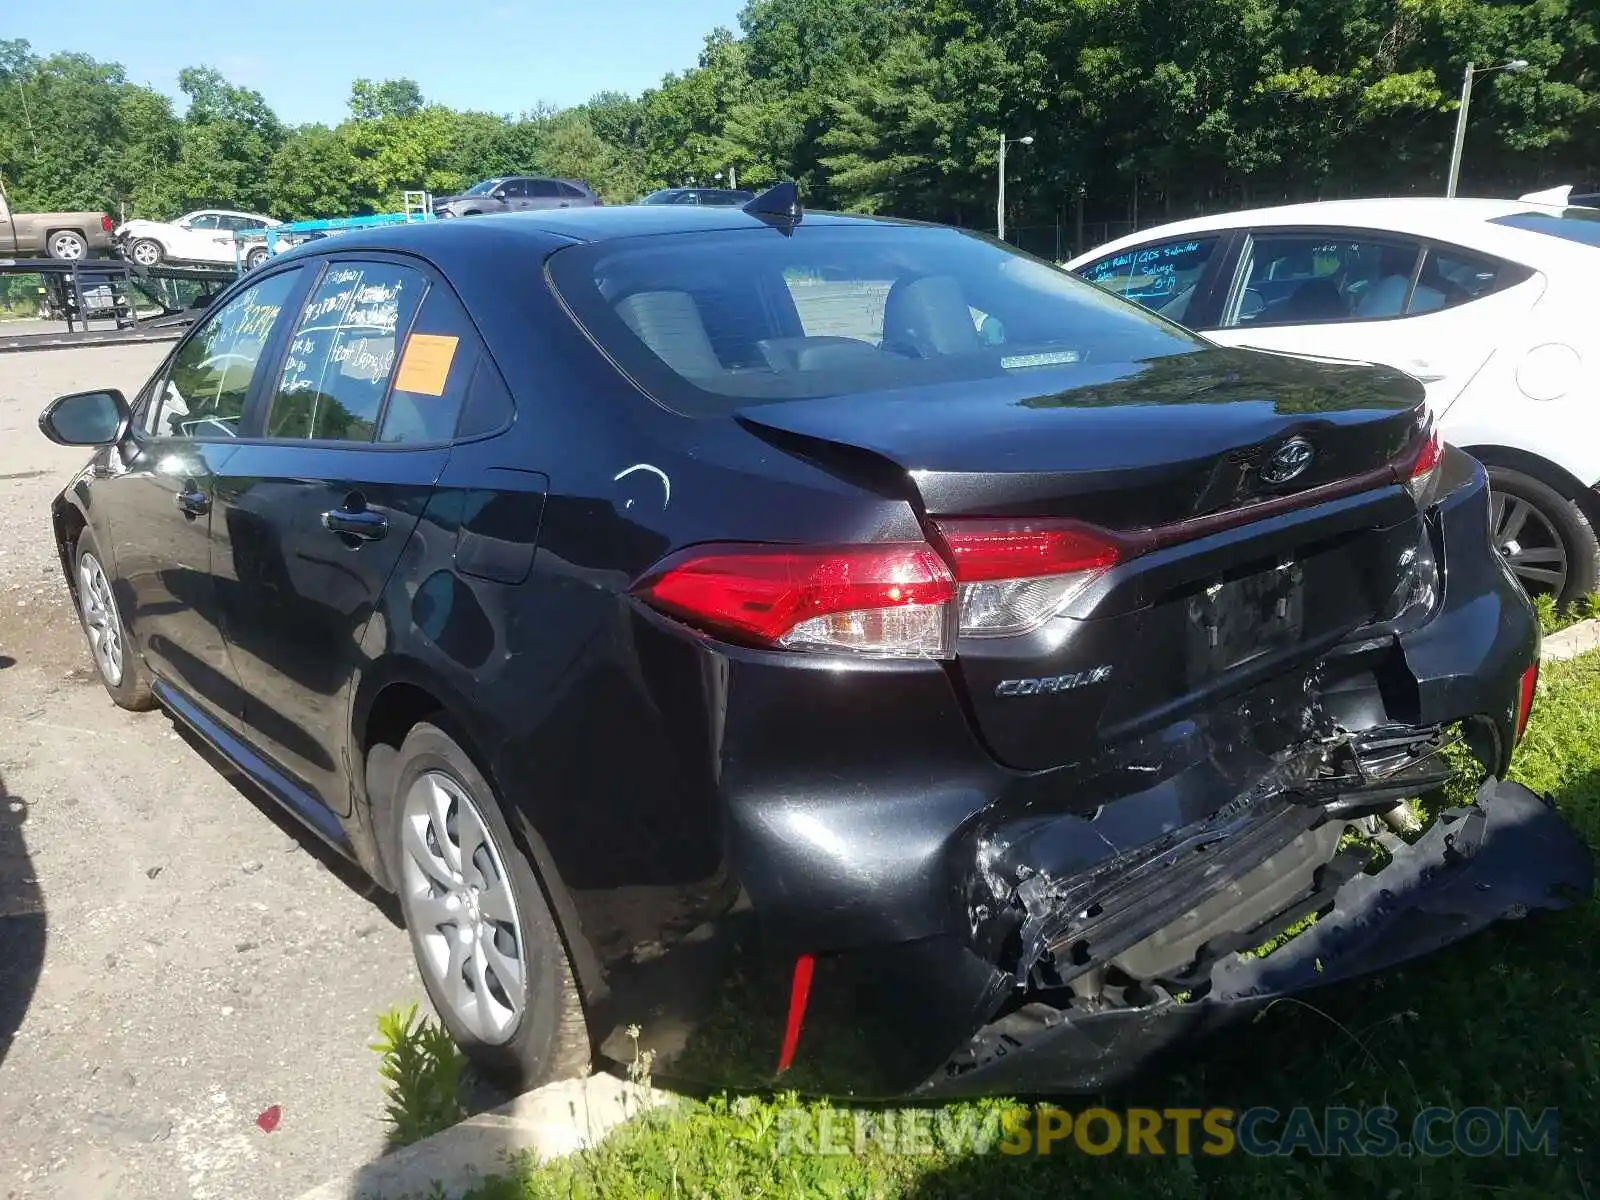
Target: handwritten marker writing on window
(425,366)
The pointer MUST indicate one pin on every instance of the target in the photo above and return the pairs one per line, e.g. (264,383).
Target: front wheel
(1544,537)
(485,941)
(146,252)
(114,654)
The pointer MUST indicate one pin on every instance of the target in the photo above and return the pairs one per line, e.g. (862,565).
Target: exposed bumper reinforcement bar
(1503,857)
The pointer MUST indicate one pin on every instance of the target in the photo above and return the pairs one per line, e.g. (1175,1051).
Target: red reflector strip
(799,993)
(1530,682)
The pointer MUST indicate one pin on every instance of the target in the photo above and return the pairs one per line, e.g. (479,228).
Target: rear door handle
(193,503)
(363,523)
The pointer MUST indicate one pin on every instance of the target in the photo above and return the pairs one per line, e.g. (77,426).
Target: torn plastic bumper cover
(1503,857)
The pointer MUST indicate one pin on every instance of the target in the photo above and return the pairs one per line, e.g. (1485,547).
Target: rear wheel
(1544,537)
(66,243)
(485,941)
(117,659)
(255,258)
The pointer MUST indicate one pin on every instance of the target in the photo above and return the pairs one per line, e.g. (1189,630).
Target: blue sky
(493,55)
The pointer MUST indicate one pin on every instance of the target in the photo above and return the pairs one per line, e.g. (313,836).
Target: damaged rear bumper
(1505,856)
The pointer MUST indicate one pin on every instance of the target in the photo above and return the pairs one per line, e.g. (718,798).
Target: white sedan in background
(204,237)
(1490,303)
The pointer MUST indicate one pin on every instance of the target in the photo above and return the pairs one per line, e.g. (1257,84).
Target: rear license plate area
(1234,621)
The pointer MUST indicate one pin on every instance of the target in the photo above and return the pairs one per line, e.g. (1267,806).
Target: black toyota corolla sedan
(849,650)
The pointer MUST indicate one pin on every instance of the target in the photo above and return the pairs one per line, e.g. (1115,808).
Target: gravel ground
(175,957)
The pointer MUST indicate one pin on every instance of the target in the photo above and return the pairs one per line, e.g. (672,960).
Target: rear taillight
(1012,576)
(890,600)
(996,578)
(105,222)
(1529,684)
(1424,468)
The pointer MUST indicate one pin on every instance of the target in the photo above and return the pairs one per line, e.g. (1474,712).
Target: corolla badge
(1288,461)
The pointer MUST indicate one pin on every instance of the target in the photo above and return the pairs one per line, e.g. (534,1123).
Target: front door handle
(193,503)
(364,524)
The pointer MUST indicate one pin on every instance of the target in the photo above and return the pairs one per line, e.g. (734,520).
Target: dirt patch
(174,955)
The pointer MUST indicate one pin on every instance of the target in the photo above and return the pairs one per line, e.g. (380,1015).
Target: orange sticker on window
(426,364)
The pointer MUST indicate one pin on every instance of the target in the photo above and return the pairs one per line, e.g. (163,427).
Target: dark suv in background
(516,193)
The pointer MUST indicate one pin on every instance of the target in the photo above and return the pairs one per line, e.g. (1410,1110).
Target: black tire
(1550,521)
(255,258)
(66,244)
(131,688)
(154,252)
(550,1039)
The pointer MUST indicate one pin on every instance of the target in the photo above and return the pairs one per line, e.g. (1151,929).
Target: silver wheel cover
(100,619)
(457,898)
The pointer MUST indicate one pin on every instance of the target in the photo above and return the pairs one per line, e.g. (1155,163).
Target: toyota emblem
(1289,461)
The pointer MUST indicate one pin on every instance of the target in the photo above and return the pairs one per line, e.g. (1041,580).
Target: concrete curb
(1572,641)
(549,1122)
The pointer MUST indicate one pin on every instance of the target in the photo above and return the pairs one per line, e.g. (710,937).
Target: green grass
(1505,1019)
(1552,619)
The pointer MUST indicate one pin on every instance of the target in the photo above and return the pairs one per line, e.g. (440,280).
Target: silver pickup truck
(64,235)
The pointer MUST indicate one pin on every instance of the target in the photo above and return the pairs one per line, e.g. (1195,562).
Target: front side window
(204,393)
(712,322)
(512,189)
(342,353)
(201,221)
(1161,276)
(1320,278)
(483,187)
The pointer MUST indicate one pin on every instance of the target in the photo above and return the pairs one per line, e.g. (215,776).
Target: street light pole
(1000,199)
(1000,196)
(1515,66)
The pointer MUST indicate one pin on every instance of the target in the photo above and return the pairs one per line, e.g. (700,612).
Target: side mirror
(86,419)
(498,194)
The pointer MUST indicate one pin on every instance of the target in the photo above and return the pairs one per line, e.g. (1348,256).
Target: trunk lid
(1229,576)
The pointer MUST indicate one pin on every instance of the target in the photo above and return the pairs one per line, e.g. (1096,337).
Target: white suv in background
(204,237)
(1490,303)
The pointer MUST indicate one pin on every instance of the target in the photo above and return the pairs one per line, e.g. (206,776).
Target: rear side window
(711,322)
(1161,277)
(439,362)
(570,192)
(541,189)
(342,353)
(1322,278)
(1450,277)
(1581,225)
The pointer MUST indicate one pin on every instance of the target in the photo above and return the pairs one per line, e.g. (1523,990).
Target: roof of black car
(576,224)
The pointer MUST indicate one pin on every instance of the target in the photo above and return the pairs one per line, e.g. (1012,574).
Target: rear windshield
(1570,224)
(712,322)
